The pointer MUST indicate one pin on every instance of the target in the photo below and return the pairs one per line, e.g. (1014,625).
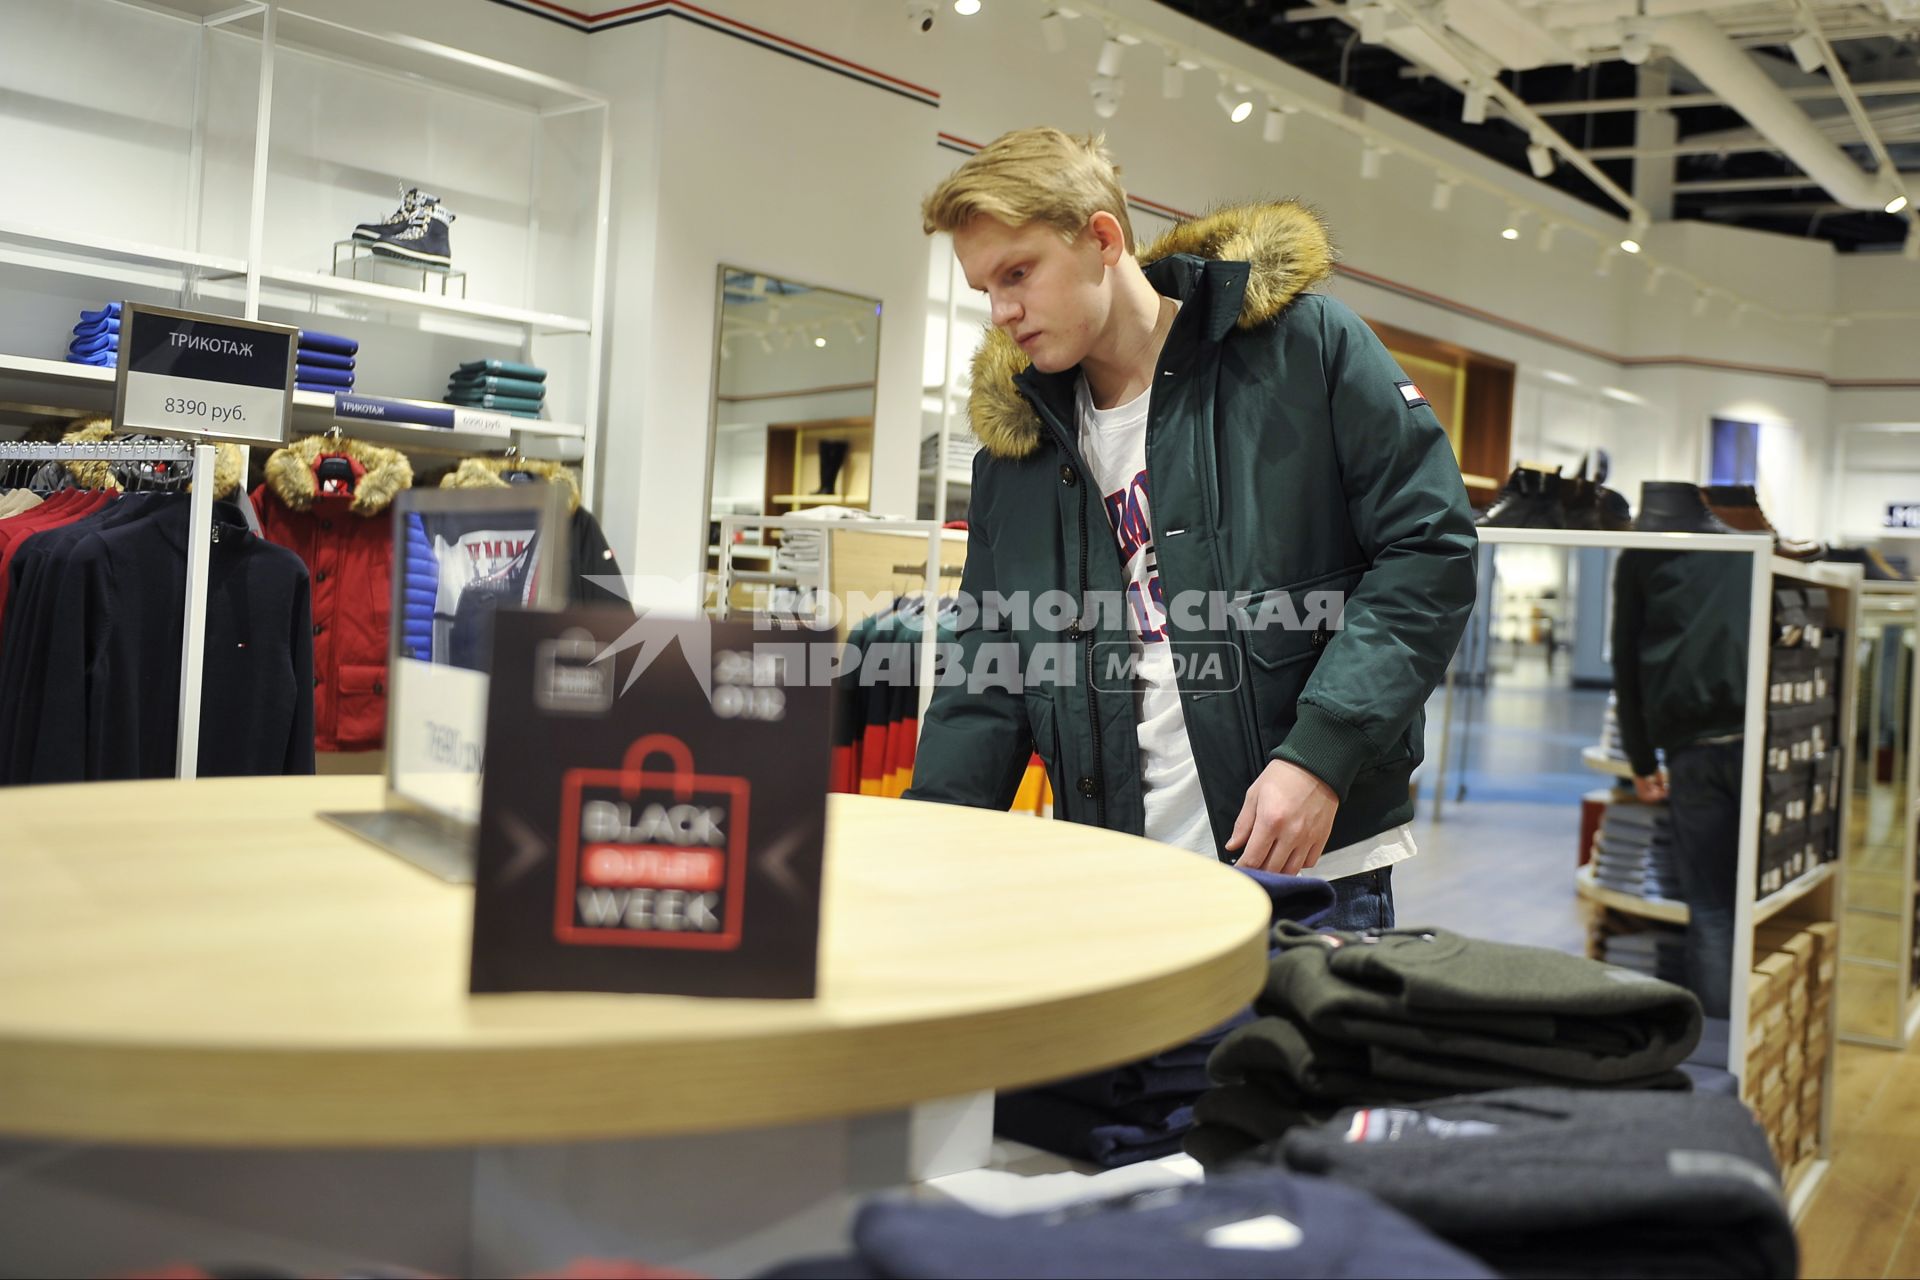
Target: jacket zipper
(1093,706)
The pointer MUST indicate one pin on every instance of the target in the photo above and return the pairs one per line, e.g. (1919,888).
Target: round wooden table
(210,965)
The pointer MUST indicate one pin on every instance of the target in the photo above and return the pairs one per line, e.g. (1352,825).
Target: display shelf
(1628,541)
(416,59)
(35,387)
(110,249)
(1599,761)
(1774,903)
(822,499)
(319,282)
(1820,575)
(1663,909)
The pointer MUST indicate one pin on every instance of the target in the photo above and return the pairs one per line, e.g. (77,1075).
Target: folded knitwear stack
(1410,1015)
(501,386)
(96,339)
(325,362)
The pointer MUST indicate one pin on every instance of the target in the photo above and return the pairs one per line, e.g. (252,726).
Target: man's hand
(1284,823)
(1651,789)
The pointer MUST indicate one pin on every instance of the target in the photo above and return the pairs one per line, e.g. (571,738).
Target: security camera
(920,14)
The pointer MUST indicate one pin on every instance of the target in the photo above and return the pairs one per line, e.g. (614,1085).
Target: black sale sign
(653,816)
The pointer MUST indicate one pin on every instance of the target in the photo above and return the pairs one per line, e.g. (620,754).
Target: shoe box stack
(1610,742)
(500,386)
(325,362)
(1801,791)
(1633,850)
(96,338)
(1789,1008)
(961,446)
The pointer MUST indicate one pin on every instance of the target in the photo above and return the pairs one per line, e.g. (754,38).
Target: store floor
(1499,863)
(1862,1221)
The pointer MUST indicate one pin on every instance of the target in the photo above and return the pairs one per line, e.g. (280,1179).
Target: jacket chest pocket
(1287,630)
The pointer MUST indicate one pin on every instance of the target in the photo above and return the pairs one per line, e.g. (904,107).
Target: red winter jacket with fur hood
(346,540)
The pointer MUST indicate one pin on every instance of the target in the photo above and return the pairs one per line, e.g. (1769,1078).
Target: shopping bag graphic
(652,858)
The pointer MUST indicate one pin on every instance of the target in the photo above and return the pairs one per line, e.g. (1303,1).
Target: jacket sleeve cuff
(1327,747)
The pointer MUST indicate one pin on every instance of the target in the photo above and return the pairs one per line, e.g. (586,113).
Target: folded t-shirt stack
(1410,1015)
(501,386)
(325,362)
(1566,1182)
(96,338)
(1266,1223)
(1141,1110)
(1633,852)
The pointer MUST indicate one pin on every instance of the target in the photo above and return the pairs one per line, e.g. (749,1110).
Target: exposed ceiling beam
(1741,184)
(1683,149)
(1837,72)
(1674,101)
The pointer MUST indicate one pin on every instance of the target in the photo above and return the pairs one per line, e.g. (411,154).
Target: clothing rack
(193,640)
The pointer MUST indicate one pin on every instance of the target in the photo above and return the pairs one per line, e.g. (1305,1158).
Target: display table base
(722,1204)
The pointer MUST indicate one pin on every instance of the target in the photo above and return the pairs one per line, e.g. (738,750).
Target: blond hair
(1032,175)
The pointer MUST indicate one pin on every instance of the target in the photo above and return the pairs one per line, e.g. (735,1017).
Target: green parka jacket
(1294,469)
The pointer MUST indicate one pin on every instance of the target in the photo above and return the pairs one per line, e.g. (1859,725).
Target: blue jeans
(1362,902)
(1704,799)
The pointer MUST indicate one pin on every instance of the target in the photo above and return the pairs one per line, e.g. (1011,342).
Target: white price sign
(182,373)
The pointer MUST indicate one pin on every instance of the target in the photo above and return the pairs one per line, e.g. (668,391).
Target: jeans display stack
(325,362)
(1411,1015)
(1633,852)
(96,338)
(1142,1110)
(500,386)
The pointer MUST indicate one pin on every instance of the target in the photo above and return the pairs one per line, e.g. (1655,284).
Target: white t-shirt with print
(1114,444)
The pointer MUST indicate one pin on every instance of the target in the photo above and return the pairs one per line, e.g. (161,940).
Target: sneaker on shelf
(423,239)
(411,202)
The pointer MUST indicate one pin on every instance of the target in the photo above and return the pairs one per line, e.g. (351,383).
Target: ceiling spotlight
(1895,193)
(1474,109)
(1806,52)
(1173,77)
(1604,267)
(1635,48)
(920,14)
(725,349)
(1654,278)
(966,8)
(1236,103)
(765,346)
(1443,194)
(1630,244)
(821,342)
(1547,230)
(1510,232)
(1053,30)
(1106,95)
(853,328)
(1540,159)
(1110,54)
(1373,23)
(1370,158)
(1701,301)
(773,313)
(1274,127)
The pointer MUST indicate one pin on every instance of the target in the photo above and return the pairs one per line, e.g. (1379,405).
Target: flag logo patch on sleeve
(1411,394)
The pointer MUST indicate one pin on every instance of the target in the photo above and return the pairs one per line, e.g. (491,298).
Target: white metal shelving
(1817,894)
(248,283)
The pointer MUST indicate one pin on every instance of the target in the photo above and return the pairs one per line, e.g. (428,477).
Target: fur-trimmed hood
(97,474)
(490,473)
(384,473)
(1287,251)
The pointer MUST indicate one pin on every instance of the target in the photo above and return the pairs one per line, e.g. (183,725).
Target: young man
(1170,431)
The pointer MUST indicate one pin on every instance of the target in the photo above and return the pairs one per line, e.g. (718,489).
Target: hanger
(334,475)
(517,475)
